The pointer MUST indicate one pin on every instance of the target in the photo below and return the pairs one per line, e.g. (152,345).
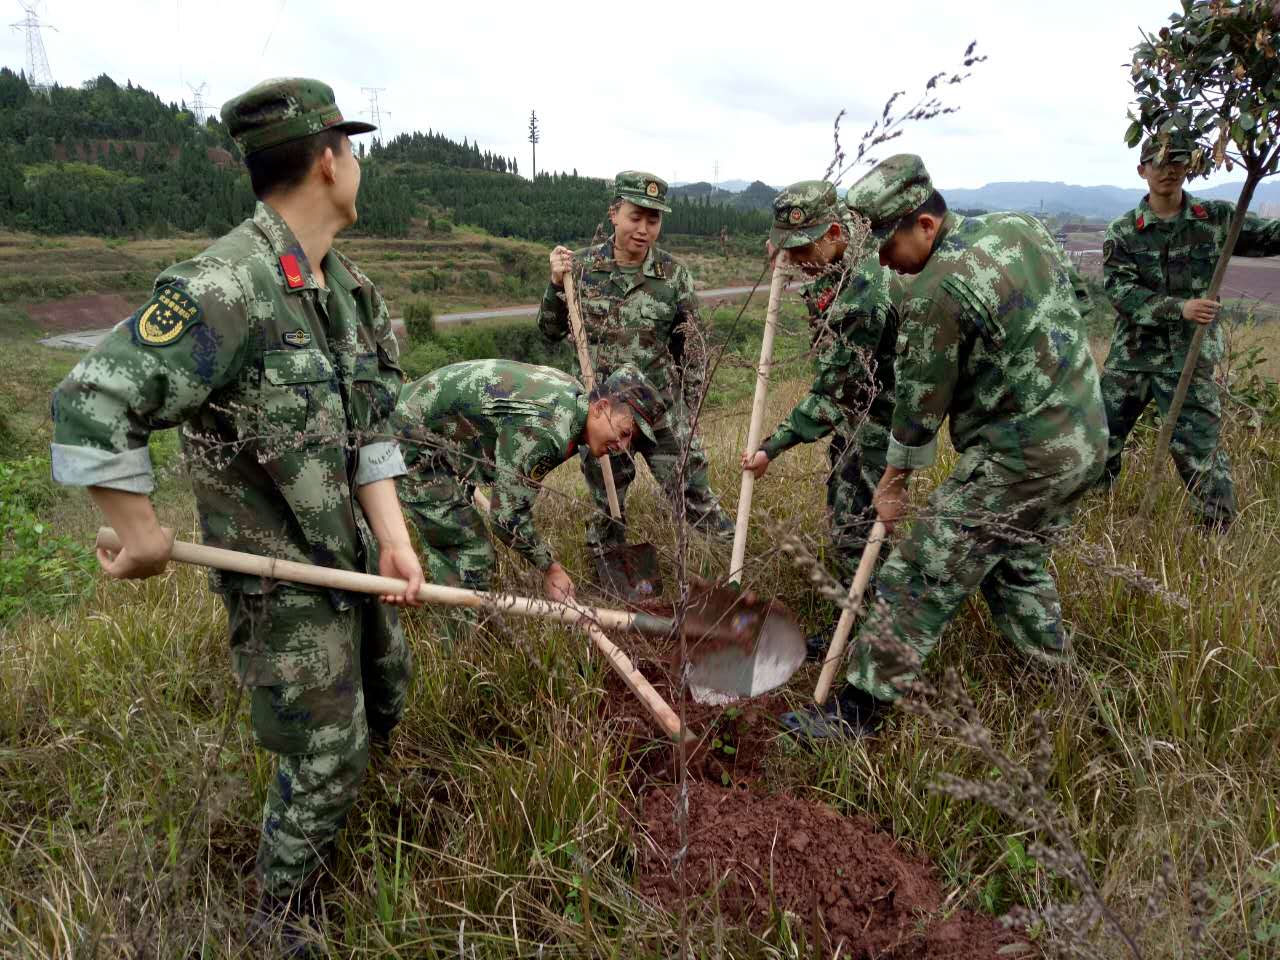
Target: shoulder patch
(163,319)
(1108,248)
(540,470)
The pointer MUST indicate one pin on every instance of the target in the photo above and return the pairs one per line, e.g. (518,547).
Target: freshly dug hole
(778,852)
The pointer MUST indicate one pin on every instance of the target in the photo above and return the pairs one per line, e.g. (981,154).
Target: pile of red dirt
(95,311)
(842,878)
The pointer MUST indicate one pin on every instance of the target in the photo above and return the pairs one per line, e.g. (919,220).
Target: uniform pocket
(287,636)
(296,387)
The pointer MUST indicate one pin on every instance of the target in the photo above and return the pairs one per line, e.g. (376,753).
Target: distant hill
(1102,202)
(753,196)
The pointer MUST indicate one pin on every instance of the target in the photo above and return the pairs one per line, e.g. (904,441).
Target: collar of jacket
(1192,209)
(603,259)
(288,254)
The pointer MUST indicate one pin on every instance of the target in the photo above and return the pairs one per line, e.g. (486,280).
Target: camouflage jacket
(990,335)
(1151,267)
(494,422)
(639,317)
(283,390)
(854,324)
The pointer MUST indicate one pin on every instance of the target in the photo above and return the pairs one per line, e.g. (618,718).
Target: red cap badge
(292,272)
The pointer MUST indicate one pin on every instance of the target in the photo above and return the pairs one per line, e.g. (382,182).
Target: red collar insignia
(292,272)
(824,301)
(1141,221)
(1199,212)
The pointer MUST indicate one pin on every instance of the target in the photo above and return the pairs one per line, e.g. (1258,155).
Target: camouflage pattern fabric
(315,717)
(641,318)
(641,188)
(990,338)
(283,390)
(853,321)
(278,111)
(1151,267)
(480,423)
(803,212)
(891,190)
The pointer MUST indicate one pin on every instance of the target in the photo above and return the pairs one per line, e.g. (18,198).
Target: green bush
(38,571)
(419,321)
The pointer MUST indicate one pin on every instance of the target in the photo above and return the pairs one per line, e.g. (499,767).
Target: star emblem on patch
(651,188)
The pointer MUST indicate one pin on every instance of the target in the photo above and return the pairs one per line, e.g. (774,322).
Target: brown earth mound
(841,877)
(75,314)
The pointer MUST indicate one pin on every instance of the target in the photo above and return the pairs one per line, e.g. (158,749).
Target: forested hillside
(111,160)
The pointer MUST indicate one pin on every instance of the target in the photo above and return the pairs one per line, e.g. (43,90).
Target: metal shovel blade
(630,572)
(745,647)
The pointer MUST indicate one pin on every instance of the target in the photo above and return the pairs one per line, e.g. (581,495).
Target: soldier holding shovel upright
(638,306)
(275,355)
(989,337)
(855,325)
(1157,263)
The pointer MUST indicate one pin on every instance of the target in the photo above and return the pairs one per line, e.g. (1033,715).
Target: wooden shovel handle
(589,618)
(757,421)
(589,381)
(860,580)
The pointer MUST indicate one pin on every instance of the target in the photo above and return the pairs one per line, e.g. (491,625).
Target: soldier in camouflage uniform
(1158,261)
(989,336)
(505,424)
(638,306)
(275,355)
(854,325)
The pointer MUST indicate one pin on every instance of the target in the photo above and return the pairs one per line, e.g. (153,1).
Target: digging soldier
(853,321)
(638,306)
(275,355)
(990,337)
(505,424)
(1157,262)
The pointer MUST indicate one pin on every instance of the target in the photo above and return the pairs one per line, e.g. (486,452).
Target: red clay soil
(96,311)
(842,878)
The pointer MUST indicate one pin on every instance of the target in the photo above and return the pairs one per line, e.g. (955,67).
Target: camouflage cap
(803,212)
(891,190)
(1180,147)
(642,189)
(628,384)
(284,109)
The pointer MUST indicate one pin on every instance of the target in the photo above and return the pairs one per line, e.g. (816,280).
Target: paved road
(88,339)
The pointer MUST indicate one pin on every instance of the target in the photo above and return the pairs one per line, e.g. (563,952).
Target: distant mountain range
(1101,202)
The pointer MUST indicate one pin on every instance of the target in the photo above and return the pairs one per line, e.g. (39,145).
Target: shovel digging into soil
(737,647)
(629,571)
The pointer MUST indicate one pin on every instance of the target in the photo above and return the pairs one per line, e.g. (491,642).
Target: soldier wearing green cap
(1157,264)
(275,355)
(990,338)
(853,321)
(638,306)
(505,424)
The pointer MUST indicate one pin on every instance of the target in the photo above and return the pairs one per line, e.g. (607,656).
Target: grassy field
(504,822)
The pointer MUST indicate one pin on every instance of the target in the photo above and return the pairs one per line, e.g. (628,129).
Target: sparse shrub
(419,321)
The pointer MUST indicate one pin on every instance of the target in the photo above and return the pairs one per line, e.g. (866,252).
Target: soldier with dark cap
(1157,264)
(275,356)
(638,306)
(854,326)
(504,424)
(991,339)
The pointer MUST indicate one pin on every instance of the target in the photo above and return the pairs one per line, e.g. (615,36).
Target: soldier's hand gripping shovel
(629,571)
(724,643)
(860,580)
(757,418)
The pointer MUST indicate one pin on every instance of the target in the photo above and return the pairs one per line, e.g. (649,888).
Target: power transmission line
(199,105)
(376,113)
(39,76)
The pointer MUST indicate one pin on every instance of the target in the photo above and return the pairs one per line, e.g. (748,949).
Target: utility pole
(39,77)
(199,105)
(375,110)
(715,177)
(534,137)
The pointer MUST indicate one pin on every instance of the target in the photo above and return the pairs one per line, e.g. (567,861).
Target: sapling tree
(1212,75)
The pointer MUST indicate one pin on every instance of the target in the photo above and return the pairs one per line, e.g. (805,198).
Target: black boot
(817,644)
(849,713)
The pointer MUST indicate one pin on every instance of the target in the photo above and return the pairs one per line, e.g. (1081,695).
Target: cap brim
(352,127)
(643,425)
(883,232)
(648,202)
(789,238)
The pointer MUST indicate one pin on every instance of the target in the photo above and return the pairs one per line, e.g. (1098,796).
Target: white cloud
(673,88)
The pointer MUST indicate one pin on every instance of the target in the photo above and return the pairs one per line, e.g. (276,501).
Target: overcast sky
(670,88)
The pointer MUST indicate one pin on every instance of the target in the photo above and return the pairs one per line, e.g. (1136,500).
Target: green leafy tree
(1212,74)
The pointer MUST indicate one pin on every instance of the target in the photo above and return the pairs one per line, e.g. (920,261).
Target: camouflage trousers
(319,681)
(673,435)
(984,529)
(851,485)
(1195,446)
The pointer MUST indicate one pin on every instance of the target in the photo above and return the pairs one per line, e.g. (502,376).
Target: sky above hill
(674,89)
